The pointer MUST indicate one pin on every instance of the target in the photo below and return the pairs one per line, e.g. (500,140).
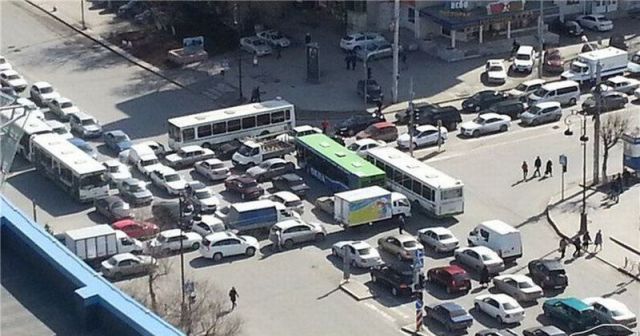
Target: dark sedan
(482,100)
(245,185)
(548,273)
(117,140)
(113,208)
(291,182)
(611,100)
(400,283)
(356,123)
(451,315)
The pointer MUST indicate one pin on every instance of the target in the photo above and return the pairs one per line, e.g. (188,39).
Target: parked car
(500,306)
(373,90)
(202,197)
(568,27)
(403,246)
(525,88)
(360,253)
(548,273)
(295,231)
(136,229)
(59,128)
(544,331)
(245,185)
(518,286)
(611,100)
(400,283)
(438,238)
(113,208)
(116,171)
(496,332)
(255,45)
(126,264)
(271,168)
(227,244)
(574,313)
(213,169)
(452,277)
(117,140)
(482,100)
(524,59)
(541,113)
(495,71)
(169,241)
(479,257)
(84,146)
(512,108)
(357,41)
(325,203)
(361,146)
(611,311)
(425,135)
(149,163)
(207,224)
(428,114)
(168,180)
(621,84)
(135,192)
(290,200)
(291,182)
(188,155)
(486,123)
(274,38)
(383,131)
(4,64)
(375,50)
(356,123)
(12,78)
(42,93)
(552,61)
(451,315)
(596,22)
(84,125)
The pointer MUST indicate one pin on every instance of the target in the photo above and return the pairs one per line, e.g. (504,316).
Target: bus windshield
(92,181)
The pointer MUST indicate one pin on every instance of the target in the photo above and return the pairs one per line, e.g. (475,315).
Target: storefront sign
(453,5)
(504,7)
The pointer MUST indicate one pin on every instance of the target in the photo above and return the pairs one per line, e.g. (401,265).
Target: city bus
(69,167)
(337,167)
(234,123)
(26,125)
(438,193)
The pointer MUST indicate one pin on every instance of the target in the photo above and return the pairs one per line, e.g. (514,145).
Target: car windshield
(295,203)
(578,68)
(542,92)
(509,306)
(118,204)
(162,238)
(409,243)
(364,251)
(246,150)
(112,261)
(460,277)
(113,169)
(172,177)
(535,109)
(478,120)
(12,77)
(120,138)
(617,312)
(66,105)
(524,284)
(88,122)
(149,162)
(252,184)
(353,147)
(135,187)
(46,89)
(487,257)
(203,194)
(457,312)
(495,68)
(523,57)
(444,236)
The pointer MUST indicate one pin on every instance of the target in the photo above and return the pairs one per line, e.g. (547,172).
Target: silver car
(126,264)
(518,286)
(401,245)
(541,113)
(294,231)
(479,257)
(255,45)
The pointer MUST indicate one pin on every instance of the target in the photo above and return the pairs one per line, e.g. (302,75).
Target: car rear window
(409,243)
(556,272)
(457,312)
(458,277)
(509,306)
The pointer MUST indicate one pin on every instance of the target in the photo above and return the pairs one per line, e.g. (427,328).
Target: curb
(410,329)
(344,286)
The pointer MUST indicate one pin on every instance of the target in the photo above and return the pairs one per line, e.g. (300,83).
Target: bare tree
(611,133)
(159,269)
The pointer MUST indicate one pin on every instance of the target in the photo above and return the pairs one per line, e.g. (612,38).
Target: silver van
(565,92)
(541,113)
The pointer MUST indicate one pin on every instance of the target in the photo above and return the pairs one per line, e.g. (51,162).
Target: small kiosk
(631,151)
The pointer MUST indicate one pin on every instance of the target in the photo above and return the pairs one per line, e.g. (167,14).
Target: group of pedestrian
(616,188)
(581,244)
(351,59)
(537,163)
(255,95)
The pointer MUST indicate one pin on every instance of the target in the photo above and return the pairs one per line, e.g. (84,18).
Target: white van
(564,92)
(499,236)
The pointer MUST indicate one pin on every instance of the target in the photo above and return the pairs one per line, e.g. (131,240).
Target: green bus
(337,167)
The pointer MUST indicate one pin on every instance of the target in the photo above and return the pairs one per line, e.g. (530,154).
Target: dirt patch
(149,46)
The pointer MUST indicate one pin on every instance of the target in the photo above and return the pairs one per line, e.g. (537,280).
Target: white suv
(167,179)
(169,241)
(524,59)
(225,244)
(359,40)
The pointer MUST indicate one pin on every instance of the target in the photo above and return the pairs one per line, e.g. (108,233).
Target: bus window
(233,125)
(287,114)
(451,193)
(406,181)
(204,131)
(92,181)
(397,176)
(263,119)
(65,175)
(277,117)
(219,128)
(174,133)
(248,122)
(427,193)
(188,134)
(417,187)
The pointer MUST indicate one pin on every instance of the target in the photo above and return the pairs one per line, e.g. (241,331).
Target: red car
(136,229)
(454,278)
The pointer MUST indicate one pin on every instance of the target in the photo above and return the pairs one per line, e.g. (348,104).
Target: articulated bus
(337,167)
(69,167)
(438,193)
(234,123)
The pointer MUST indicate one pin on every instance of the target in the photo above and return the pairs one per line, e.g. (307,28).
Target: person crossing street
(537,163)
(525,170)
(233,296)
(563,247)
(548,169)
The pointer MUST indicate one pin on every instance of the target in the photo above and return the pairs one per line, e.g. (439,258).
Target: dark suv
(548,273)
(400,282)
(512,107)
(374,91)
(430,114)
(245,185)
(482,100)
(356,123)
(452,277)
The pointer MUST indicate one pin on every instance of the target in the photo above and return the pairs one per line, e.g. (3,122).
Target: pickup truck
(255,152)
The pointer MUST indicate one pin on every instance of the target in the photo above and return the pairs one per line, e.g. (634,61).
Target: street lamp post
(583,139)
(84,26)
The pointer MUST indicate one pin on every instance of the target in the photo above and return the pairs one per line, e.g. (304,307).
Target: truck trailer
(369,205)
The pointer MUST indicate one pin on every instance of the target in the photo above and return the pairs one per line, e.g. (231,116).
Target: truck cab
(400,205)
(253,152)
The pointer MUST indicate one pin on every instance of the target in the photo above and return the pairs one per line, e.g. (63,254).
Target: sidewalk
(619,222)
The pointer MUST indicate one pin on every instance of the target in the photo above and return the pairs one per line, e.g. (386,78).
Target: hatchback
(574,313)
(384,131)
(452,277)
(548,273)
(294,231)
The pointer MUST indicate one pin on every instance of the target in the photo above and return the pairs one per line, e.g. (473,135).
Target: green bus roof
(341,156)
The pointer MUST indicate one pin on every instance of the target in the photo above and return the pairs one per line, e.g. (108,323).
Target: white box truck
(99,242)
(369,205)
(613,62)
(499,236)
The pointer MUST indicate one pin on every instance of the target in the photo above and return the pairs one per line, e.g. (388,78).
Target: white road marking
(381,312)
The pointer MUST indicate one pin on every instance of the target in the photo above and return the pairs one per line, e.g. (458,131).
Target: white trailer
(613,62)
(369,205)
(99,242)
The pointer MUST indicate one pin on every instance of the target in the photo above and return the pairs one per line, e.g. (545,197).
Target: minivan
(541,113)
(564,92)
(500,237)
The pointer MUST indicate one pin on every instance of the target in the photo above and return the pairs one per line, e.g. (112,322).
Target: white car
(290,200)
(126,264)
(213,169)
(524,59)
(294,231)
(500,306)
(525,88)
(518,286)
(202,197)
(612,311)
(42,93)
(274,38)
(59,128)
(361,146)
(424,135)
(496,72)
(12,78)
(636,93)
(169,241)
(116,171)
(169,180)
(479,257)
(63,108)
(255,45)
(621,84)
(440,239)
(207,224)
(486,123)
(360,253)
(226,244)
(359,40)
(595,22)
(148,163)
(298,131)
(4,64)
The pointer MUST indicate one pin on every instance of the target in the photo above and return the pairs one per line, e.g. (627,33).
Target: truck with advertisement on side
(254,215)
(99,242)
(583,69)
(253,152)
(369,205)
(499,236)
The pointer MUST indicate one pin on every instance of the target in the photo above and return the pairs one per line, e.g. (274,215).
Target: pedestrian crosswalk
(219,90)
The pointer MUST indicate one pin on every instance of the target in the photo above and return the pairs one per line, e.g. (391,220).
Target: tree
(611,132)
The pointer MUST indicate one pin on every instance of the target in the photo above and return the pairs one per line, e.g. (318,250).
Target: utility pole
(411,117)
(84,26)
(540,38)
(396,37)
(596,125)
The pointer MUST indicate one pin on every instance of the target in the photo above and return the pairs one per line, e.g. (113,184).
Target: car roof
(495,62)
(492,115)
(245,178)
(287,196)
(285,224)
(423,128)
(560,84)
(359,244)
(123,256)
(190,148)
(451,306)
(403,237)
(170,233)
(197,185)
(366,141)
(453,269)
(123,222)
(41,84)
(383,124)
(274,160)
(213,161)
(551,264)
(113,163)
(439,230)
(216,236)
(525,49)
(548,104)
(62,100)
(516,277)
(576,304)
(481,250)
(619,79)
(116,132)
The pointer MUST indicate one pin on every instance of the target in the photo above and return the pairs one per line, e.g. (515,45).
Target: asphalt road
(295,292)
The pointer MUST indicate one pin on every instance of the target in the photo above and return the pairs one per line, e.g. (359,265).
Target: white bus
(69,167)
(438,193)
(216,127)
(24,127)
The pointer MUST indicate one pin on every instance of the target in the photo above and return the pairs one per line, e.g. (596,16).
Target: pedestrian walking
(347,60)
(563,247)
(278,51)
(525,170)
(576,244)
(484,277)
(598,241)
(586,240)
(233,296)
(278,240)
(325,126)
(403,59)
(548,168)
(401,224)
(354,60)
(615,191)
(537,164)
(255,60)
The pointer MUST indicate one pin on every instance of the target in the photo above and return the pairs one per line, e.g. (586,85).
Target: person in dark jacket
(233,296)
(537,163)
(548,168)
(576,244)
(586,240)
(484,277)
